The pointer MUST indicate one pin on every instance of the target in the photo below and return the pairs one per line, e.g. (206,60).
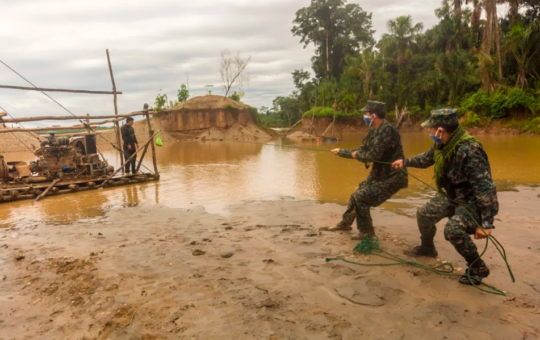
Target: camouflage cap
(374,107)
(441,117)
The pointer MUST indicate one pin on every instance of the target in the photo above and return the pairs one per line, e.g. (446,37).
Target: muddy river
(217,174)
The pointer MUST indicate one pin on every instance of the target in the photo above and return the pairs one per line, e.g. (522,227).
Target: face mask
(436,139)
(367,120)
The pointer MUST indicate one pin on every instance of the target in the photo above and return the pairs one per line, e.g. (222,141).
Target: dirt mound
(236,132)
(210,102)
(18,141)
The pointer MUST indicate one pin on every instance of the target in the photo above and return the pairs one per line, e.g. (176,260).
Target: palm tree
(491,33)
(362,67)
(404,33)
(521,44)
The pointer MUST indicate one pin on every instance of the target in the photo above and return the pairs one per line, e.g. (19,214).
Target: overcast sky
(61,44)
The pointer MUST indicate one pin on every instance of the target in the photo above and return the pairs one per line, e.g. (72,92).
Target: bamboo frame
(42,118)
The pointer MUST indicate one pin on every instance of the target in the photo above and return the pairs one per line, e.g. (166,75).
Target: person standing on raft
(466,192)
(130,146)
(382,144)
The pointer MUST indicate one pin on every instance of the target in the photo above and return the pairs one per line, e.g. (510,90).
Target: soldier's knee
(421,214)
(453,232)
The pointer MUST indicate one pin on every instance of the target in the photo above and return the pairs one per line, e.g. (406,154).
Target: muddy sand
(257,272)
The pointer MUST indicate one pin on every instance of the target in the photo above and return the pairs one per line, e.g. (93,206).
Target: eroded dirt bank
(257,273)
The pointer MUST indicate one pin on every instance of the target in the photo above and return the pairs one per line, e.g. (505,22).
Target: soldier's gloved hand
(398,164)
(335,151)
(354,154)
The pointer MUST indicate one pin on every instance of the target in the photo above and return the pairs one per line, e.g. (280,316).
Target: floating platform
(16,191)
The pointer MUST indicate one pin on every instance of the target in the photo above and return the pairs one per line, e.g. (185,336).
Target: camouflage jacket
(467,177)
(382,144)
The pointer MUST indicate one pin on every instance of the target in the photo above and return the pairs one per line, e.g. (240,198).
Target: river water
(216,174)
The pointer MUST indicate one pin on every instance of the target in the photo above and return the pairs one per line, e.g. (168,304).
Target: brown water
(216,174)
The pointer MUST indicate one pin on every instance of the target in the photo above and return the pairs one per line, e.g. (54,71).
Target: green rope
(370,245)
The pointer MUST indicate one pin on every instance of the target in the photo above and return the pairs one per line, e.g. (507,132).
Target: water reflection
(216,174)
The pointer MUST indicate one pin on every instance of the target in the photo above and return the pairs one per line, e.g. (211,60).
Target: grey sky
(153,44)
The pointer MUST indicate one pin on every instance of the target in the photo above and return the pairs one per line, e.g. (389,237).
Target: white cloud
(153,44)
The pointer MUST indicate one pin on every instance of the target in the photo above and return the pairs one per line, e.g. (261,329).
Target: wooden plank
(56,90)
(142,159)
(47,190)
(42,118)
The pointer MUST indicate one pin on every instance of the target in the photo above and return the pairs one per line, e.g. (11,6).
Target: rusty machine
(59,158)
(68,164)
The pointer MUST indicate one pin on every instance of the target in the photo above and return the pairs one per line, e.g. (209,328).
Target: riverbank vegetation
(476,59)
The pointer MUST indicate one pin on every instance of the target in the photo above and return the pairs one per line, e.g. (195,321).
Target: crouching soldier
(466,193)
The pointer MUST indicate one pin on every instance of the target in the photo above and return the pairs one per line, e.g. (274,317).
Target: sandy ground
(257,272)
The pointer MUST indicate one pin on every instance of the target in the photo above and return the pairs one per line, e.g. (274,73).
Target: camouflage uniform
(382,144)
(470,197)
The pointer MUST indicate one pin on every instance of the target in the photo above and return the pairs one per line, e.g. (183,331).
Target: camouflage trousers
(462,223)
(370,193)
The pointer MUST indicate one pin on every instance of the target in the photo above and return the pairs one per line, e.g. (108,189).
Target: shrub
(472,119)
(526,125)
(501,103)
(329,112)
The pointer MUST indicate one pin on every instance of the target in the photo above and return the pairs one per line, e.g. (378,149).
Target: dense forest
(475,59)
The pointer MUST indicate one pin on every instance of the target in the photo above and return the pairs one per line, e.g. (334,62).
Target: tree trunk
(327,59)
(498,43)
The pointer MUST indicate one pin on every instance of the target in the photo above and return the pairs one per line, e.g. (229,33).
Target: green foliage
(237,96)
(183,93)
(502,103)
(161,102)
(272,121)
(329,112)
(472,120)
(532,125)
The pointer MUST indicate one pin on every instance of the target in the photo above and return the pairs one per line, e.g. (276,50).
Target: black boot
(474,274)
(425,251)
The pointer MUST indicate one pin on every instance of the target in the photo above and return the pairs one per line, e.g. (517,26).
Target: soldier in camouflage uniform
(466,193)
(382,143)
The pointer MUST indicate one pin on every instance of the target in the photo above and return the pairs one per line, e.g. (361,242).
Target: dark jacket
(128,135)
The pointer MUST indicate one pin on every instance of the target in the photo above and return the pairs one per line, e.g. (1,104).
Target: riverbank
(257,271)
(347,125)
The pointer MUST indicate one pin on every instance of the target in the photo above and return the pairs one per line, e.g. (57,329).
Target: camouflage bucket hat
(374,107)
(441,117)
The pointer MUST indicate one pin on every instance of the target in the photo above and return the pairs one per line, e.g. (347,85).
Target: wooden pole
(334,120)
(127,160)
(41,118)
(47,190)
(55,90)
(117,126)
(75,127)
(141,159)
(151,133)
(293,126)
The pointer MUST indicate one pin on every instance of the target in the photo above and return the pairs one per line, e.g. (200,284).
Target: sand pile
(18,141)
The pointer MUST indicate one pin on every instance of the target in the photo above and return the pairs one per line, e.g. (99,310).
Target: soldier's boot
(422,251)
(475,273)
(337,227)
